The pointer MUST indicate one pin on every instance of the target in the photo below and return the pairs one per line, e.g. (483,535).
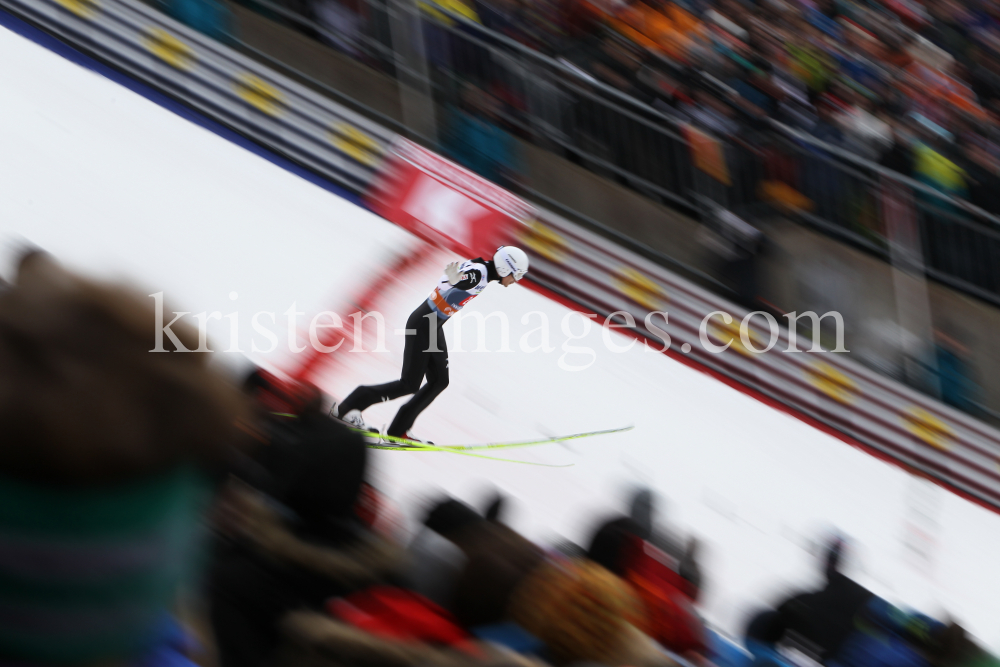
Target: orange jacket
(656,31)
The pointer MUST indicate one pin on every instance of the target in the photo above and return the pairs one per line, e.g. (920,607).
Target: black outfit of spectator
(984,186)
(497,560)
(899,158)
(612,536)
(823,618)
(985,81)
(950,36)
(313,467)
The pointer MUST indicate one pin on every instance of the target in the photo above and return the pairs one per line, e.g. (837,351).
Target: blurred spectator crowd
(157,511)
(913,85)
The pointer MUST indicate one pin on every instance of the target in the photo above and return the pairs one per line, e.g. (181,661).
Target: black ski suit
(425,353)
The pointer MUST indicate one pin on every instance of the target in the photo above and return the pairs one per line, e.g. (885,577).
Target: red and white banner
(445,204)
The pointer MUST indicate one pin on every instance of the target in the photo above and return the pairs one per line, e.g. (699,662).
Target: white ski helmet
(509,259)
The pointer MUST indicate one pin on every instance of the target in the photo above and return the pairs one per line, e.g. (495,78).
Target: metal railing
(960,243)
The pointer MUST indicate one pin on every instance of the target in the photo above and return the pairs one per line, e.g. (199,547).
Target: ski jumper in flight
(426,353)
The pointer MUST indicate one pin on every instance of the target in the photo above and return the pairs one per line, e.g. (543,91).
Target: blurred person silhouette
(985,73)
(474,137)
(755,86)
(821,619)
(344,25)
(106,470)
(738,246)
(665,575)
(507,586)
(506,593)
(495,559)
(983,175)
(932,163)
(933,166)
(955,374)
(616,61)
(290,535)
(608,541)
(900,155)
(435,562)
(826,128)
(822,180)
(506,17)
(426,352)
(866,133)
(846,625)
(709,112)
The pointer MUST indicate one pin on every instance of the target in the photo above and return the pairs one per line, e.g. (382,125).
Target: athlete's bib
(447,299)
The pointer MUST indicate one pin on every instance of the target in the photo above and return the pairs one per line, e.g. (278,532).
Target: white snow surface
(117,186)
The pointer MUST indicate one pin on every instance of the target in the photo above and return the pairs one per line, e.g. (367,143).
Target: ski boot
(409,436)
(352,419)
